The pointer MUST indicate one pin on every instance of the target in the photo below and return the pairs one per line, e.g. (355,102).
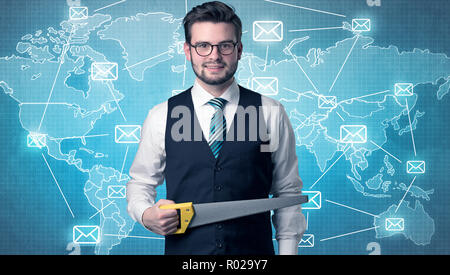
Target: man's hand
(161,221)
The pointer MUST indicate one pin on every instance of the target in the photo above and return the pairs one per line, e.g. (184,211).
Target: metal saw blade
(206,213)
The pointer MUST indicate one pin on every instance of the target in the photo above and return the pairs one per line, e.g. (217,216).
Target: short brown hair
(216,12)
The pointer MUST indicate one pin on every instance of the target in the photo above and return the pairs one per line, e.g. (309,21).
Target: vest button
(219,244)
(218,187)
(218,168)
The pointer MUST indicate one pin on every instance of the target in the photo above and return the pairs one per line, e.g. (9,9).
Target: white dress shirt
(147,170)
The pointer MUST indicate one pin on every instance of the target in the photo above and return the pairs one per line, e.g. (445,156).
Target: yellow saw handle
(185,212)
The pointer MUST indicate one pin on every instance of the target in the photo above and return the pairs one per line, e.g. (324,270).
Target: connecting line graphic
(301,68)
(351,233)
(307,221)
(354,232)
(45,103)
(304,8)
(307,120)
(148,59)
(358,210)
(267,53)
(385,151)
(60,191)
(358,97)
(398,206)
(411,129)
(317,29)
(100,210)
(185,60)
(299,94)
(115,99)
(64,51)
(123,164)
(138,237)
(343,153)
(339,115)
(82,137)
(113,4)
(345,61)
(184,72)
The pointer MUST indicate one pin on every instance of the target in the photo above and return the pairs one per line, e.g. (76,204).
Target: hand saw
(192,215)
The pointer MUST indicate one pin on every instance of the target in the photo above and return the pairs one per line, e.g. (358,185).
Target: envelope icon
(116,191)
(327,102)
(267,31)
(104,71)
(314,200)
(265,85)
(415,167)
(36,140)
(395,224)
(361,25)
(78,13)
(307,240)
(403,89)
(86,234)
(127,133)
(353,134)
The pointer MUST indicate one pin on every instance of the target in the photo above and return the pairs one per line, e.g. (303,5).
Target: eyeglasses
(205,48)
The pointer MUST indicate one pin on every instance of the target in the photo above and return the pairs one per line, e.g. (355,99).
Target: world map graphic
(370,120)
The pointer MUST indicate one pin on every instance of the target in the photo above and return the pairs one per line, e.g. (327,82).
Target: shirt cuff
(287,247)
(138,211)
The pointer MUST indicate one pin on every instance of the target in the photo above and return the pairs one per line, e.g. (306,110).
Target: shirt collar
(200,96)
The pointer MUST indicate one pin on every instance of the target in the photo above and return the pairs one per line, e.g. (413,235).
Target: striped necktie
(218,126)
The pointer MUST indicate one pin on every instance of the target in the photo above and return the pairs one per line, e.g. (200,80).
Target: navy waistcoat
(240,172)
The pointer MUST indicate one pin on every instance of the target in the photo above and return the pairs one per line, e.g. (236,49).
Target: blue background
(35,219)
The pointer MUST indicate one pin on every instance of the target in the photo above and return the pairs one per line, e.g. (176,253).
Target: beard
(201,73)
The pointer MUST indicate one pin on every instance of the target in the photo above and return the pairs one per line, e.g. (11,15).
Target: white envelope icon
(267,31)
(78,13)
(415,167)
(116,192)
(127,133)
(361,25)
(86,234)
(265,85)
(395,224)
(307,240)
(403,89)
(326,102)
(353,134)
(314,200)
(36,140)
(104,71)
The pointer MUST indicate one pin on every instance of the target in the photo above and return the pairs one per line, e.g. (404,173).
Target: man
(215,167)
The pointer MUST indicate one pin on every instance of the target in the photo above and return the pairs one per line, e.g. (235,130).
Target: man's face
(216,68)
